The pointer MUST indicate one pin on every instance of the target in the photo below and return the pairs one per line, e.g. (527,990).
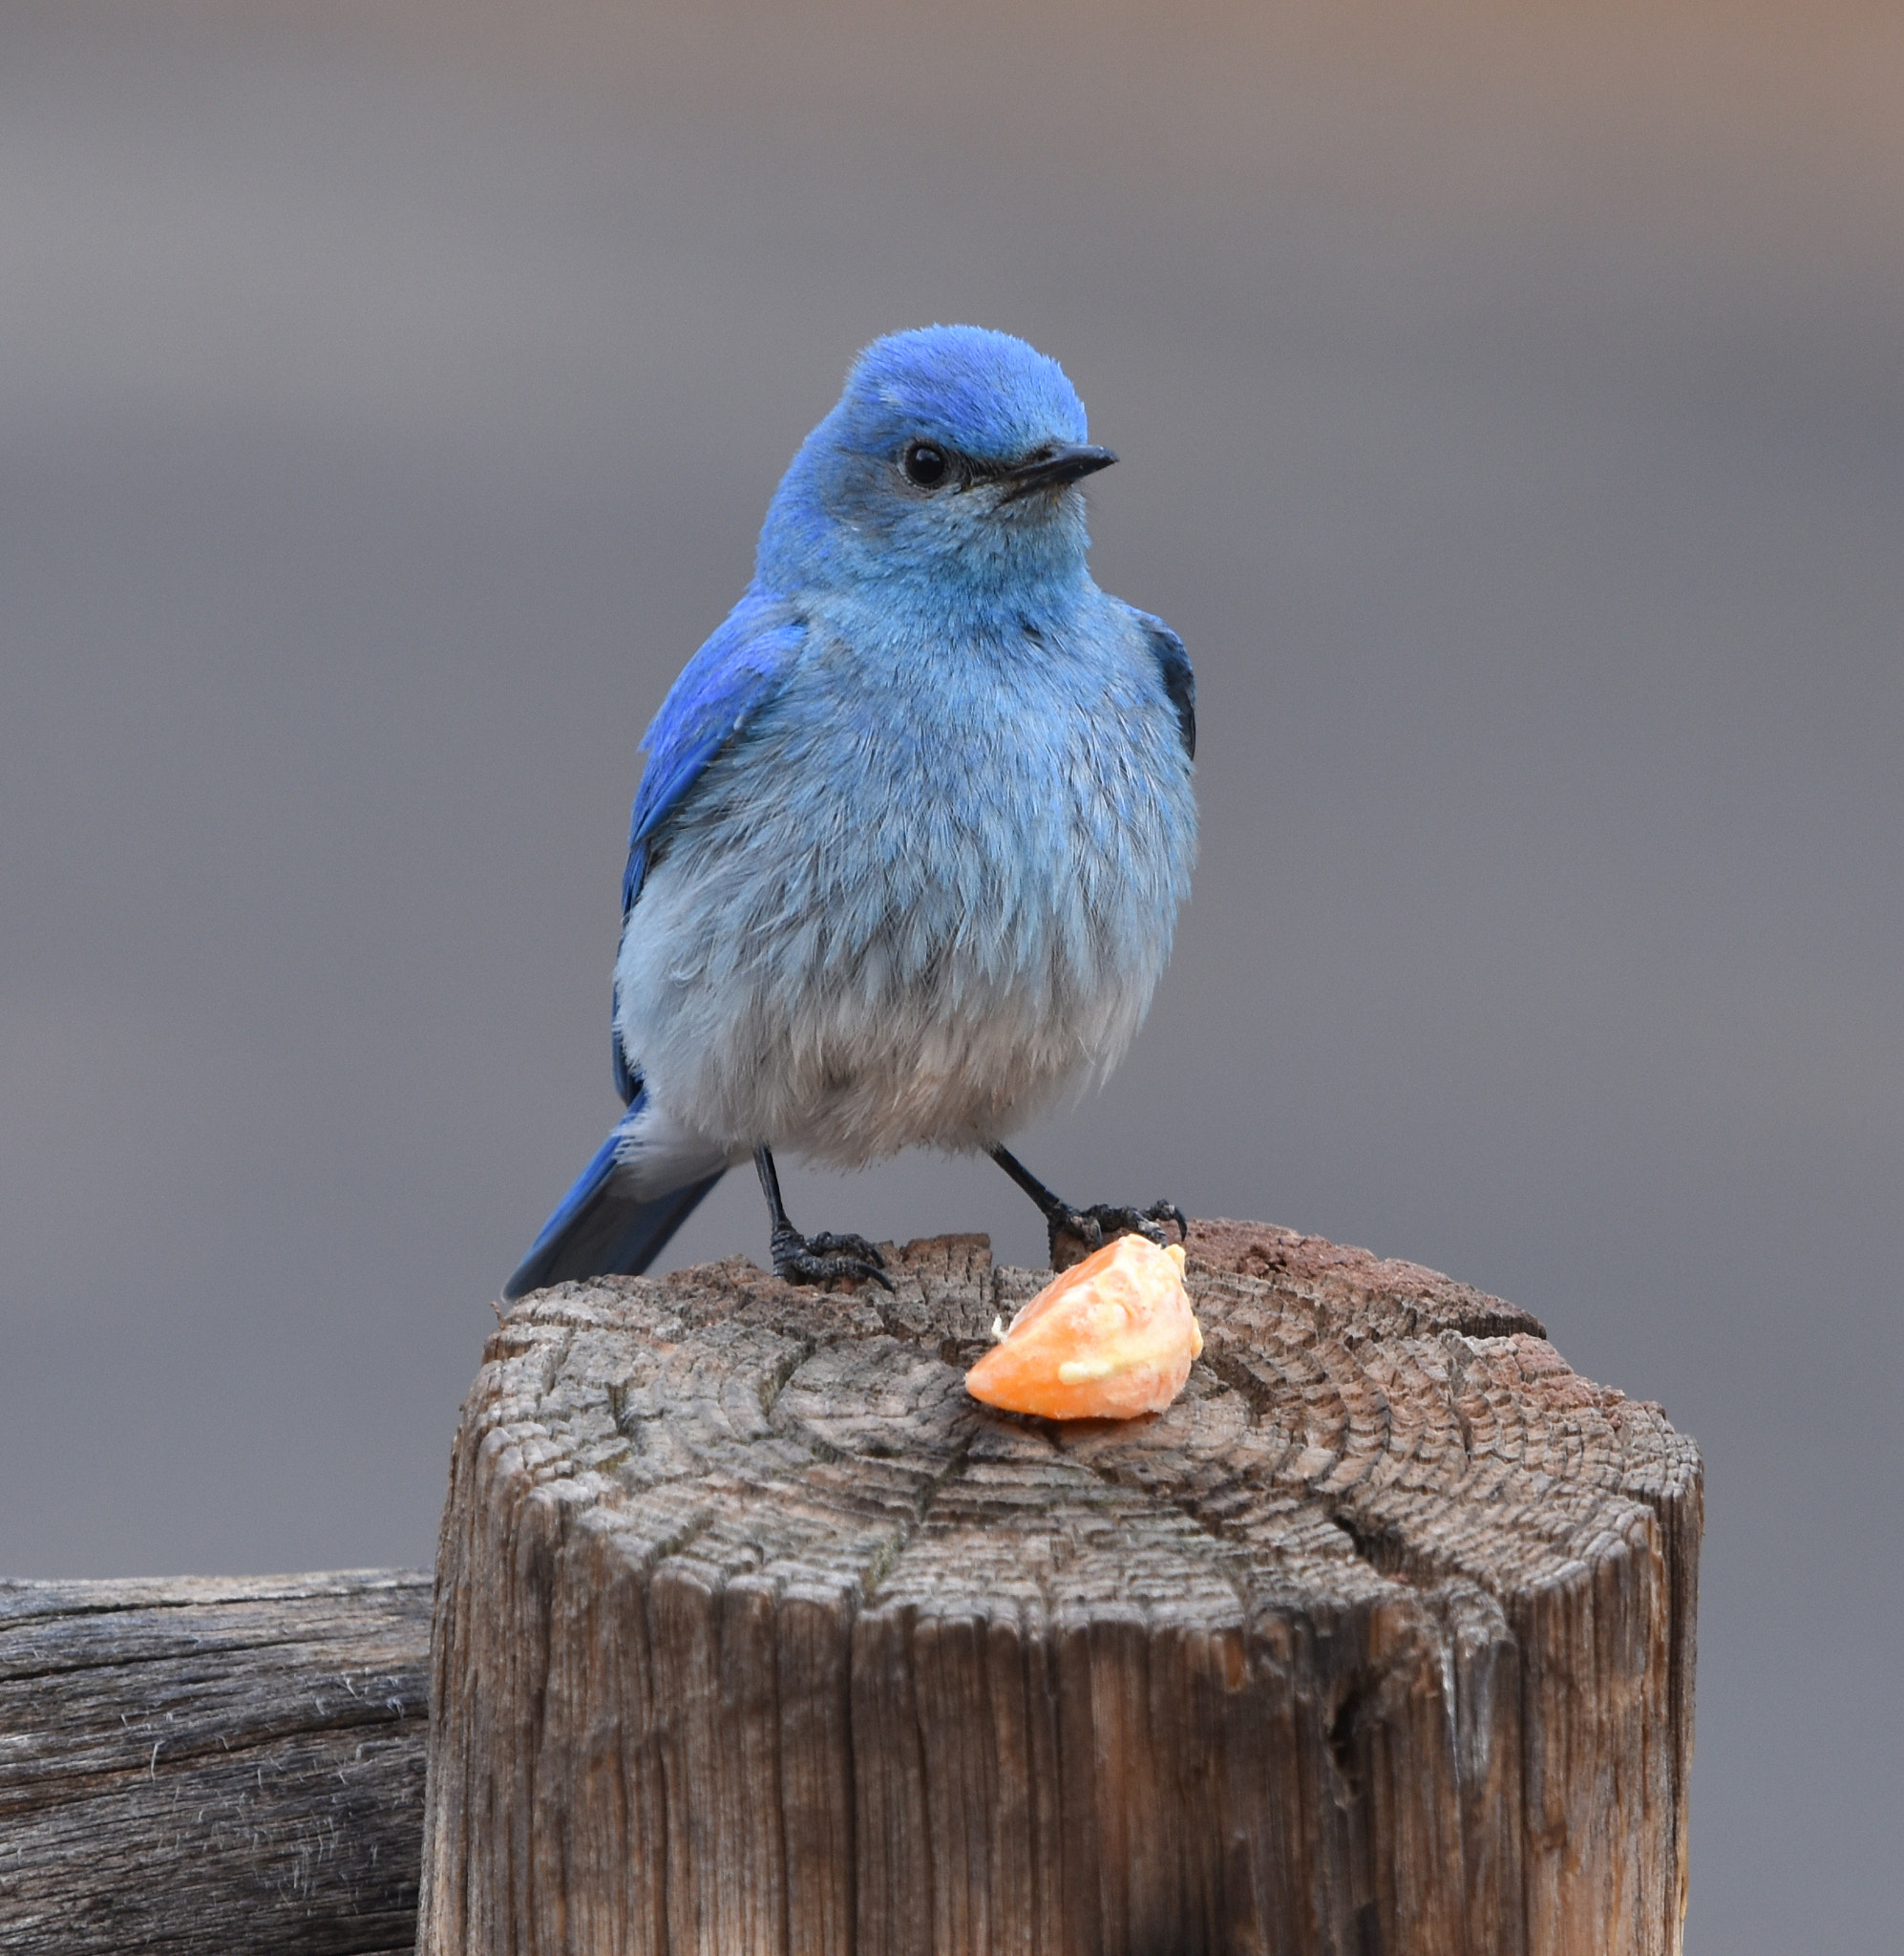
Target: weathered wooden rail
(232,1767)
(756,1634)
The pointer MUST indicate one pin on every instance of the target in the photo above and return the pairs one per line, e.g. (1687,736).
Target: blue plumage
(705,708)
(598,1229)
(915,825)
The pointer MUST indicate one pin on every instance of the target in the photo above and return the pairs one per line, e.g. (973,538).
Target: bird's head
(951,459)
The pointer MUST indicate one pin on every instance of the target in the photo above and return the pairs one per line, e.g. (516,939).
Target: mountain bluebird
(915,825)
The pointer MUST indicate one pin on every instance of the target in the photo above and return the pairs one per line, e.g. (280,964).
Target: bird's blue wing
(1179,681)
(606,1222)
(732,676)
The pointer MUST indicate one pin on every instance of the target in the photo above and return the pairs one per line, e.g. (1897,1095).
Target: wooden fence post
(755,1634)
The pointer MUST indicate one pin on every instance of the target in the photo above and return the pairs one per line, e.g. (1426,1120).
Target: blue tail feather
(602,1227)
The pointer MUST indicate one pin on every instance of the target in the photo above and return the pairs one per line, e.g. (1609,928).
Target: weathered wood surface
(755,1634)
(231,1766)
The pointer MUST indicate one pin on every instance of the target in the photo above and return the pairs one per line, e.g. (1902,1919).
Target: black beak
(1053,468)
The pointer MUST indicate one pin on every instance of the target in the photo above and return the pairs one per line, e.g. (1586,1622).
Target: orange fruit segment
(1108,1339)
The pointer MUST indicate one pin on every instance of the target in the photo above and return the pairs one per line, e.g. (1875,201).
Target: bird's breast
(918,899)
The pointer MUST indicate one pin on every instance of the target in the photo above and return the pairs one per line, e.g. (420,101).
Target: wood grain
(755,1634)
(213,1765)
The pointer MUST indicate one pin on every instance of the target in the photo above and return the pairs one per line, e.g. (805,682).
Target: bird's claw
(822,1258)
(1075,1233)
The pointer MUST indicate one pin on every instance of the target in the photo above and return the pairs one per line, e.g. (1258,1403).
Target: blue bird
(914,829)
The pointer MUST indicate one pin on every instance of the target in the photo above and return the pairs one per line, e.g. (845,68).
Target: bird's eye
(924,464)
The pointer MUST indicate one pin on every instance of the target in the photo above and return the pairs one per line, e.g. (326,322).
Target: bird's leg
(813,1258)
(1088,1228)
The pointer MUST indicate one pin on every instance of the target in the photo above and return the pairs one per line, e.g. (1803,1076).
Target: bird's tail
(614,1221)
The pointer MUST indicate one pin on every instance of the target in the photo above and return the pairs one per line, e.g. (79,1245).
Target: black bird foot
(1073,1233)
(819,1258)
(813,1258)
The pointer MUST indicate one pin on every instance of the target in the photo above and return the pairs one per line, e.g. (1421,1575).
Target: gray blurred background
(1513,426)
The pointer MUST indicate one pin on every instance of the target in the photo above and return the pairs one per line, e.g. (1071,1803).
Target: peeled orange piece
(1109,1338)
